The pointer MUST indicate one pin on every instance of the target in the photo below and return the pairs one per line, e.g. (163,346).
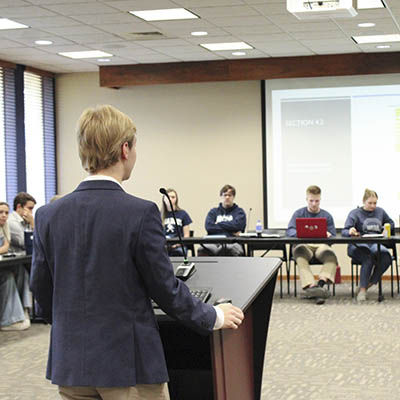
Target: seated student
(21,219)
(303,253)
(368,219)
(227,219)
(12,314)
(182,218)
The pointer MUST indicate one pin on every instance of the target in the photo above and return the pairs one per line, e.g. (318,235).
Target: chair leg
(397,275)
(391,279)
(334,289)
(295,279)
(288,276)
(280,280)
(352,280)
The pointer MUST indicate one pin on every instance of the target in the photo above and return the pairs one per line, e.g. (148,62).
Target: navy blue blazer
(98,257)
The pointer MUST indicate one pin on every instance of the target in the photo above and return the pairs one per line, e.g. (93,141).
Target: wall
(194,137)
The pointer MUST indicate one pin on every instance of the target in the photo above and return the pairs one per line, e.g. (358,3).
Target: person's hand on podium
(233,316)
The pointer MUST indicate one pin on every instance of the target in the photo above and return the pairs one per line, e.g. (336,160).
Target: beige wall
(192,137)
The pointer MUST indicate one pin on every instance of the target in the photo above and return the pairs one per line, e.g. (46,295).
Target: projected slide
(343,139)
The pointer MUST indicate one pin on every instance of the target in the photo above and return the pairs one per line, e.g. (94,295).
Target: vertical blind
(38,136)
(34,137)
(3,195)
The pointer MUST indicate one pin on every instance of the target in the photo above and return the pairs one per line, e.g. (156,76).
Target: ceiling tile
(53,2)
(136,5)
(161,43)
(271,8)
(42,22)
(248,30)
(12,3)
(92,38)
(9,44)
(209,3)
(154,59)
(239,21)
(57,41)
(22,33)
(25,12)
(231,11)
(109,18)
(127,28)
(81,8)
(72,30)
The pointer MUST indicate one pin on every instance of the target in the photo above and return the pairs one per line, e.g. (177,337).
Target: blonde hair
(101,132)
(369,193)
(313,190)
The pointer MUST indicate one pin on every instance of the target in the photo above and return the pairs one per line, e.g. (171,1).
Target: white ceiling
(75,25)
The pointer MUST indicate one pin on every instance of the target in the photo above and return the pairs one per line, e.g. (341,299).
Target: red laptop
(311,227)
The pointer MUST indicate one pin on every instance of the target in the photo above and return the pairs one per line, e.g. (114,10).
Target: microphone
(185,270)
(248,219)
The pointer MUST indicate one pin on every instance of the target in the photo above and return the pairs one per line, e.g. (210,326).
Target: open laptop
(311,227)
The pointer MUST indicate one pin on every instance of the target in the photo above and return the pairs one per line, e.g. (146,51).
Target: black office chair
(284,258)
(356,265)
(313,261)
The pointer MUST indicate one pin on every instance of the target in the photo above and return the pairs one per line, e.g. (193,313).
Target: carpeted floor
(340,350)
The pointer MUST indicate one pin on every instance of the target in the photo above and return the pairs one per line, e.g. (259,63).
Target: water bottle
(259,227)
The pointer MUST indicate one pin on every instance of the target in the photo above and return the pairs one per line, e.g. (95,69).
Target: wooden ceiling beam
(250,69)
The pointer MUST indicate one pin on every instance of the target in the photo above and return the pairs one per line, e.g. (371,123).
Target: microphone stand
(185,260)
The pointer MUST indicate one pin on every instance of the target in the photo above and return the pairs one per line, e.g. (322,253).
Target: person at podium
(228,219)
(98,259)
(303,253)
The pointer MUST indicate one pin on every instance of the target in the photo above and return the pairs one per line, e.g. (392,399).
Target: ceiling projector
(321,9)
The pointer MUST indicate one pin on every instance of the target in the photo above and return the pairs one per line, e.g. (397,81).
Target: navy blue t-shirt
(182,218)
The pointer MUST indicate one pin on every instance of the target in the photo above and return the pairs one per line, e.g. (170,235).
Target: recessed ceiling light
(103,59)
(377,38)
(85,54)
(364,4)
(239,53)
(8,24)
(226,46)
(366,25)
(43,42)
(383,46)
(164,14)
(199,33)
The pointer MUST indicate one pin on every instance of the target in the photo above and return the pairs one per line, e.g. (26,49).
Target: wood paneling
(250,69)
(6,64)
(40,72)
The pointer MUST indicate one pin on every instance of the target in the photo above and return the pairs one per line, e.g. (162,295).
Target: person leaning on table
(98,259)
(303,253)
(366,220)
(13,315)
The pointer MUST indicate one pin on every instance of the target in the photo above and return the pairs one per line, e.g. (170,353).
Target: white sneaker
(27,317)
(362,297)
(17,326)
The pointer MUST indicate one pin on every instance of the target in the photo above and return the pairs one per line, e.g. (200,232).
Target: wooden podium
(227,365)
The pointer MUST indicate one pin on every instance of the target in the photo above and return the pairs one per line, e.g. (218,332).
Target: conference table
(271,241)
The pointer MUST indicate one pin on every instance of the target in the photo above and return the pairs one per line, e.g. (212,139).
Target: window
(27,134)
(39,137)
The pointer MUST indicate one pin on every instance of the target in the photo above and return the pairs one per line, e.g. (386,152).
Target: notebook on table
(311,227)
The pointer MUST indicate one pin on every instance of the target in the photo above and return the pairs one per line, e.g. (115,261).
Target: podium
(228,364)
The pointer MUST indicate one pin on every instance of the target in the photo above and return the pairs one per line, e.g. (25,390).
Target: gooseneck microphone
(187,269)
(165,193)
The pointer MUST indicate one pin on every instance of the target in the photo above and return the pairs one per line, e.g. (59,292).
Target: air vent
(143,35)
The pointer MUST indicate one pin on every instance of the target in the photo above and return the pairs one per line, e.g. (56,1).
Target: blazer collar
(98,185)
